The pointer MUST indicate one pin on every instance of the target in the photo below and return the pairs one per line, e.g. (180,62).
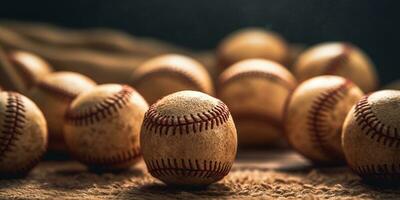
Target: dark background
(372,25)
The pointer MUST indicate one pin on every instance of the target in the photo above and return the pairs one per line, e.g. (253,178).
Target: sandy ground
(255,175)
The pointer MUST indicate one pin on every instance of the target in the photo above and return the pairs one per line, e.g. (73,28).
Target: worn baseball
(170,73)
(30,67)
(23,134)
(371,137)
(255,90)
(103,125)
(337,58)
(188,138)
(53,94)
(315,114)
(252,43)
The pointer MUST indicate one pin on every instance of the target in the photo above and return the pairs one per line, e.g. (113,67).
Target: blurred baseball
(30,67)
(252,43)
(371,138)
(255,91)
(170,73)
(314,117)
(188,138)
(23,134)
(103,125)
(53,94)
(337,58)
(294,51)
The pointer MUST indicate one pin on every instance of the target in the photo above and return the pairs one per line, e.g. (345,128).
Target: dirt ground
(255,175)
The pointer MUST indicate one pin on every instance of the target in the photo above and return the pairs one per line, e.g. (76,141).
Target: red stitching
(120,158)
(372,126)
(170,72)
(259,74)
(57,91)
(339,60)
(101,110)
(380,171)
(194,123)
(316,121)
(14,122)
(187,167)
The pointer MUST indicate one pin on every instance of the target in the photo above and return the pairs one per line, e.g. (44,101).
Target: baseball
(314,116)
(188,138)
(255,90)
(170,73)
(252,43)
(23,134)
(30,68)
(370,138)
(53,94)
(103,125)
(337,58)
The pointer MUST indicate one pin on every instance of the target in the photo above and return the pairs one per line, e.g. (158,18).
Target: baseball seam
(259,74)
(14,122)
(316,118)
(57,91)
(378,171)
(192,123)
(119,158)
(371,126)
(188,168)
(100,111)
(339,60)
(183,75)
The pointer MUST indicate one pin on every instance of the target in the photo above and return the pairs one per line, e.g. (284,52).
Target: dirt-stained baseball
(103,125)
(252,43)
(314,116)
(30,67)
(255,90)
(170,73)
(371,137)
(23,134)
(337,58)
(188,138)
(53,94)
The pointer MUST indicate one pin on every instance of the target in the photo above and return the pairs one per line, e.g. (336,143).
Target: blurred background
(372,25)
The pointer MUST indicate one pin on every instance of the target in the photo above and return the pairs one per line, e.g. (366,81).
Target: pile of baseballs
(187,129)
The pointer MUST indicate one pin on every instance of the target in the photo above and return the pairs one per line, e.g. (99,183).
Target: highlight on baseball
(370,137)
(102,127)
(188,138)
(314,116)
(255,90)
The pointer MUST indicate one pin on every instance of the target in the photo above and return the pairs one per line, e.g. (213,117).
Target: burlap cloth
(255,175)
